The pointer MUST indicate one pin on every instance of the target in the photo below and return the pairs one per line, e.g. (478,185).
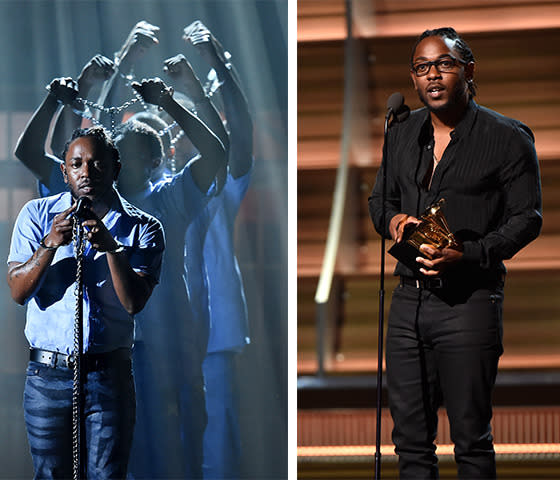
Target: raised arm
(213,151)
(236,107)
(95,72)
(30,148)
(116,89)
(185,80)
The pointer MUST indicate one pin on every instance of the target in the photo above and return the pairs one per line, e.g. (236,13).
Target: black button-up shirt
(488,175)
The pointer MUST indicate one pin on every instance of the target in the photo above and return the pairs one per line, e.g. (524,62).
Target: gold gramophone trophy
(432,230)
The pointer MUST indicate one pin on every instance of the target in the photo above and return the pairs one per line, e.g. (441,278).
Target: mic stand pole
(381,302)
(78,446)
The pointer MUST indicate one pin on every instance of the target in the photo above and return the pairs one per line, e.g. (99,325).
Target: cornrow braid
(101,135)
(460,45)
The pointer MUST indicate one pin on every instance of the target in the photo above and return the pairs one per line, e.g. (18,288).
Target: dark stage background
(43,39)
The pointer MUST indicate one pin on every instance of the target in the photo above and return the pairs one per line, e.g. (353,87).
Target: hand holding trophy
(432,230)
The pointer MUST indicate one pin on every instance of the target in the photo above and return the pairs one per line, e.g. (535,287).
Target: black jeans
(441,354)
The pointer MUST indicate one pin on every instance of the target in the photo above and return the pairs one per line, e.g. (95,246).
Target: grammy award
(432,230)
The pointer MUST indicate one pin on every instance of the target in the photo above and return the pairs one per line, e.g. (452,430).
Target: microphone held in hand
(397,110)
(83,210)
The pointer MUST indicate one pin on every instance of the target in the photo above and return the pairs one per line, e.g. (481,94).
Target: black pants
(441,354)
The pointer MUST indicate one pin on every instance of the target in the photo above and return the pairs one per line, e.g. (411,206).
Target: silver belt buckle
(70,361)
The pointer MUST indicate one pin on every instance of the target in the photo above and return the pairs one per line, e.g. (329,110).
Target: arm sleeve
(393,191)
(26,235)
(55,184)
(522,221)
(181,197)
(147,256)
(236,188)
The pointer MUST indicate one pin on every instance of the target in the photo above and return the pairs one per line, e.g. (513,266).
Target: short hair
(103,138)
(157,123)
(461,46)
(142,133)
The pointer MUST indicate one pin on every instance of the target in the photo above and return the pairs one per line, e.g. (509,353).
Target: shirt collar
(463,127)
(118,207)
(62,201)
(466,123)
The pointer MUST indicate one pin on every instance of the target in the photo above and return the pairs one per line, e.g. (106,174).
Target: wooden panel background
(517,73)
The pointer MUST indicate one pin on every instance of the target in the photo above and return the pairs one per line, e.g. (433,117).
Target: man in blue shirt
(122,261)
(174,336)
(171,341)
(212,273)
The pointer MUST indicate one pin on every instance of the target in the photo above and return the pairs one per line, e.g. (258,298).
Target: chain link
(113,111)
(167,129)
(110,110)
(79,242)
(177,137)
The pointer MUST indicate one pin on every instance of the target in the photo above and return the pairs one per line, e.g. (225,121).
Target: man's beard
(454,100)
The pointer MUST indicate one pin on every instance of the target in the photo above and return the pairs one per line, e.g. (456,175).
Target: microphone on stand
(397,111)
(396,108)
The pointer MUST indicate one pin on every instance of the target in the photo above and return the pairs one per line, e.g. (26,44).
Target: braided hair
(102,136)
(460,46)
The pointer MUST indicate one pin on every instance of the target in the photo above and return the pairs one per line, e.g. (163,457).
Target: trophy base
(407,254)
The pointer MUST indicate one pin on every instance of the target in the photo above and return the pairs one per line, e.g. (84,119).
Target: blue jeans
(109,412)
(441,354)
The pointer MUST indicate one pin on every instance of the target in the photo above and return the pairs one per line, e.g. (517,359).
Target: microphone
(83,209)
(396,108)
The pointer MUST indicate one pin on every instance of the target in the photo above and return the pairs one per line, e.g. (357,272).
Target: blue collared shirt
(50,310)
(169,323)
(211,272)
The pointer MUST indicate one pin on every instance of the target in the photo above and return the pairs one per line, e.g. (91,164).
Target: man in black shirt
(444,334)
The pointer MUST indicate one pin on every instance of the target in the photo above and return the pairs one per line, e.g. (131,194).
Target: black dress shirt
(488,175)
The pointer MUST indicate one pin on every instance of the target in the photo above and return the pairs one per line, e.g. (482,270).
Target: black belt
(425,283)
(438,283)
(90,361)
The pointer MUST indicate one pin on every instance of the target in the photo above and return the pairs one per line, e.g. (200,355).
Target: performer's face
(441,90)
(88,170)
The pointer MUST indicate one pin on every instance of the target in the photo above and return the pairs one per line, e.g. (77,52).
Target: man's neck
(447,120)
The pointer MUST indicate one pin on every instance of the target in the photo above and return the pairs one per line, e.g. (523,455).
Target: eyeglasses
(446,64)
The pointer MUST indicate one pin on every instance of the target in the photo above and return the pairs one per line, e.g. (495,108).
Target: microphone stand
(390,114)
(78,445)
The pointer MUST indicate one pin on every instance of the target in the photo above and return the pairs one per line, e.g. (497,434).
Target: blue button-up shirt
(50,310)
(212,276)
